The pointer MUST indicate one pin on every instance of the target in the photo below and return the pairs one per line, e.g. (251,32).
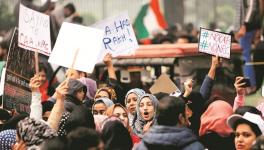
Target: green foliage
(7,19)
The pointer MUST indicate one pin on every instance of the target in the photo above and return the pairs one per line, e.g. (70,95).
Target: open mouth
(146,115)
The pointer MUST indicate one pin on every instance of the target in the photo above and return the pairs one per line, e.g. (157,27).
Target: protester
(247,128)
(46,109)
(198,101)
(240,98)
(171,131)
(121,112)
(4,116)
(31,133)
(249,17)
(131,99)
(75,95)
(145,114)
(79,117)
(44,82)
(100,105)
(91,90)
(84,139)
(107,92)
(116,136)
(214,132)
(57,143)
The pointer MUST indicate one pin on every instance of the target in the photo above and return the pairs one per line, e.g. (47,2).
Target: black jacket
(213,141)
(71,101)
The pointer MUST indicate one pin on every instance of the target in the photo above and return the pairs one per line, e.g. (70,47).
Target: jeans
(245,43)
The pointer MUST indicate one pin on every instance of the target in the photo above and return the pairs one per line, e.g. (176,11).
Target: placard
(77,47)
(119,37)
(19,70)
(34,31)
(164,84)
(215,43)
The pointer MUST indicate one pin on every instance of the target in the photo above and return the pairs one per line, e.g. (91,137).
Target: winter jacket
(213,141)
(169,138)
(71,100)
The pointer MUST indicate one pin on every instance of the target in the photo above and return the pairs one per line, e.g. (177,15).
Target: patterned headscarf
(111,92)
(34,132)
(139,93)
(7,139)
(139,122)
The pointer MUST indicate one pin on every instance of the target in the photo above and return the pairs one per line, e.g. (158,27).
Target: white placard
(119,36)
(215,43)
(77,47)
(34,31)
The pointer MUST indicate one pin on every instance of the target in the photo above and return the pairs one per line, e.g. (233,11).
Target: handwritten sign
(77,47)
(19,69)
(34,31)
(215,43)
(119,38)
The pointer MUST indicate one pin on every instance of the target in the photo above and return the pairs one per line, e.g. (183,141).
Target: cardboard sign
(215,43)
(19,70)
(34,31)
(77,47)
(165,85)
(119,38)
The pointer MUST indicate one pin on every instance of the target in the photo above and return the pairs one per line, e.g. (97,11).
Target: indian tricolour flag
(149,20)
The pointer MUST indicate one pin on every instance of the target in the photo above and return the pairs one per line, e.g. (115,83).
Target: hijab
(139,122)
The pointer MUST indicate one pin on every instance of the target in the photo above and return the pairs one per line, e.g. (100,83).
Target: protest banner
(214,43)
(19,70)
(77,47)
(119,38)
(34,31)
(165,84)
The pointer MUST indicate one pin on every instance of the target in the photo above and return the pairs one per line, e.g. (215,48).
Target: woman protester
(145,114)
(247,128)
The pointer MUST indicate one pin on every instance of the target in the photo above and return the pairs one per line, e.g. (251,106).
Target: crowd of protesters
(79,115)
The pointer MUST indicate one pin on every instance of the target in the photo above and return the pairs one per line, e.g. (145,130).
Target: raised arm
(35,106)
(208,81)
(58,107)
(241,91)
(110,67)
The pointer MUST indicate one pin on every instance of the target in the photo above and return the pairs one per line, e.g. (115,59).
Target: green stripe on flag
(140,28)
